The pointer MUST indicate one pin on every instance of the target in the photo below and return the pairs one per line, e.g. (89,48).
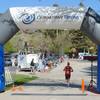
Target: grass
(20,79)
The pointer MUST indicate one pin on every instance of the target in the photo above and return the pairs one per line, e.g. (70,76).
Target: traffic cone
(20,88)
(83,86)
(13,88)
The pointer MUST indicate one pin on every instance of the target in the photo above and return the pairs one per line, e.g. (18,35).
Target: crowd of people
(46,62)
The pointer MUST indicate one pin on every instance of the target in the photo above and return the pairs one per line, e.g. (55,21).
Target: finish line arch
(29,19)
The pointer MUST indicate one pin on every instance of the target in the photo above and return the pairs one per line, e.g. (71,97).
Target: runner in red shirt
(68,69)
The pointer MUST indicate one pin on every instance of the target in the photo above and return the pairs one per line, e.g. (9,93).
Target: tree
(80,41)
(9,47)
(58,39)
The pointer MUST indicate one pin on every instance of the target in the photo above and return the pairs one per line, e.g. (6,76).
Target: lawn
(20,79)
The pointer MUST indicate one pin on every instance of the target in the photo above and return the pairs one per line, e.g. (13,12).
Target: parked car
(82,54)
(87,56)
(90,57)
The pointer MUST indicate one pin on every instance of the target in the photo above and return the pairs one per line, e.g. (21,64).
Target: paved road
(52,86)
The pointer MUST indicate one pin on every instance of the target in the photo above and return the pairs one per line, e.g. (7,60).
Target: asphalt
(52,86)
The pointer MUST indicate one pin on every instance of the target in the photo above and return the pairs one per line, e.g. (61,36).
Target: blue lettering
(71,17)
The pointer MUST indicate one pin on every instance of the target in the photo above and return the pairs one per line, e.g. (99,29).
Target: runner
(68,69)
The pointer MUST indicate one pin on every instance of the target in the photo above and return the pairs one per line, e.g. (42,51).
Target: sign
(29,19)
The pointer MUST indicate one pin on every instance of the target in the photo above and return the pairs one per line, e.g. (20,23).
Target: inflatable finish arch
(29,19)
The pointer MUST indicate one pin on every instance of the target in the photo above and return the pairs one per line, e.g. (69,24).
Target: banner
(31,18)
(91,25)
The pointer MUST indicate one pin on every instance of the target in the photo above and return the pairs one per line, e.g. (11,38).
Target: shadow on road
(88,71)
(49,84)
(46,94)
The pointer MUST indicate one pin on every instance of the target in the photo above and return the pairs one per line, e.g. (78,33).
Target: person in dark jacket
(32,65)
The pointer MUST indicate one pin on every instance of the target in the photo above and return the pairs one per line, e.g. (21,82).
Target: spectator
(32,65)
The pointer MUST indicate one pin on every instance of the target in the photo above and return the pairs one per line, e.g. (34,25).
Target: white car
(82,54)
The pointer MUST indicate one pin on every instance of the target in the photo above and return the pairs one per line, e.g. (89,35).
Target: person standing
(13,61)
(32,65)
(68,69)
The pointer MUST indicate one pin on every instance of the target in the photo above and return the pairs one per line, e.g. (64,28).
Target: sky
(5,4)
